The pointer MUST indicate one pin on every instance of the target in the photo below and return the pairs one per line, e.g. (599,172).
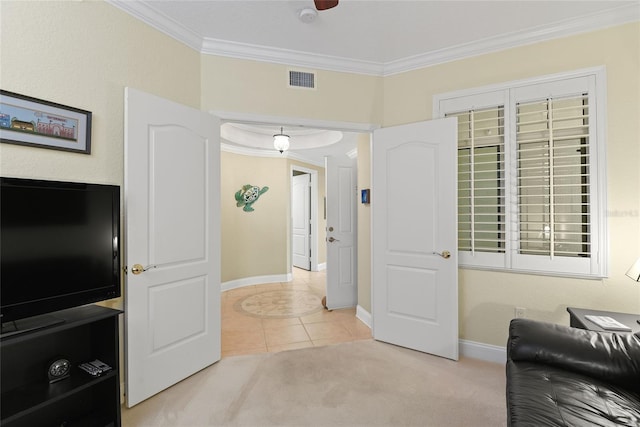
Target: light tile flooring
(285,316)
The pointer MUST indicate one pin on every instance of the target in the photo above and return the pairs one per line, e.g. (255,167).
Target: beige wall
(254,243)
(261,88)
(364,224)
(258,243)
(487,299)
(83,54)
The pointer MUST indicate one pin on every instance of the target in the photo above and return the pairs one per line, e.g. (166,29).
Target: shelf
(28,399)
(18,402)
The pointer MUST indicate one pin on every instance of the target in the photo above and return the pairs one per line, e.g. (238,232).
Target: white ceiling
(369,36)
(306,144)
(377,37)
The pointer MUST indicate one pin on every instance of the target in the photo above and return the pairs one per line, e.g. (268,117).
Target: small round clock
(59,369)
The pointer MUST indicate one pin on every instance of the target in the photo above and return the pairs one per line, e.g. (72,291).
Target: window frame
(508,94)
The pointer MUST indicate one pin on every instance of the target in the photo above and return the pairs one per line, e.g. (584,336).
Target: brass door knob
(332,239)
(137,268)
(444,254)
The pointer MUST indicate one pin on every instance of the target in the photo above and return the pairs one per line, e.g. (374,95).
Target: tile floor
(285,316)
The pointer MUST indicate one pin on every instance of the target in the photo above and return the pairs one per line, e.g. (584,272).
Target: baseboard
(486,352)
(363,315)
(472,349)
(322,266)
(255,280)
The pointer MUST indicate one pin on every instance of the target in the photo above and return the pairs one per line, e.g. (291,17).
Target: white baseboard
(472,349)
(363,315)
(322,266)
(255,280)
(486,352)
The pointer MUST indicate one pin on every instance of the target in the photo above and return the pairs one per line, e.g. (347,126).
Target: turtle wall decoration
(248,195)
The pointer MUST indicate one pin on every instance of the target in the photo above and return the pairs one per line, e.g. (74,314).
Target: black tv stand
(82,334)
(29,324)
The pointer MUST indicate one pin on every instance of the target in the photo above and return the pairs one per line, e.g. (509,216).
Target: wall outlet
(520,312)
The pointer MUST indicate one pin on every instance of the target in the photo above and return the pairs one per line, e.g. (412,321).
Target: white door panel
(414,202)
(176,217)
(172,228)
(301,221)
(342,280)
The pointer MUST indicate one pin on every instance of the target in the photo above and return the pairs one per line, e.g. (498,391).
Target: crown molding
(160,22)
(289,57)
(208,46)
(609,18)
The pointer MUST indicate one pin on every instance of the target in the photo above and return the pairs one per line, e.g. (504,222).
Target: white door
(341,190)
(301,221)
(414,203)
(172,229)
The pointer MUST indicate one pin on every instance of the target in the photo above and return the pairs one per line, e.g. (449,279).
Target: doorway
(301,220)
(296,162)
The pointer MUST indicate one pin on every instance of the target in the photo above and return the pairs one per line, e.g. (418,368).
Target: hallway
(285,316)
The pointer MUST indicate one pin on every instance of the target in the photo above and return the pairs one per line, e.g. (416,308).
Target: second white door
(414,236)
(301,221)
(342,277)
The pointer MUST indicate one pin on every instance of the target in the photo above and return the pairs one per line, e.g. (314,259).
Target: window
(531,174)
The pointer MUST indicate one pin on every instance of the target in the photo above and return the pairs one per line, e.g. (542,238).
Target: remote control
(90,369)
(95,368)
(103,367)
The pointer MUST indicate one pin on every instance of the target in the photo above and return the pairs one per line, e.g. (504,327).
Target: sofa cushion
(611,357)
(547,396)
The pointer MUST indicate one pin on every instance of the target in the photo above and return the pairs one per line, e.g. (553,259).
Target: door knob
(137,268)
(444,254)
(332,239)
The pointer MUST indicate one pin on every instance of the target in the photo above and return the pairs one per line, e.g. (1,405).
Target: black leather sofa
(563,376)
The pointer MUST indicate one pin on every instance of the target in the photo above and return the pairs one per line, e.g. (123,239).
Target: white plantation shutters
(481,184)
(553,177)
(530,183)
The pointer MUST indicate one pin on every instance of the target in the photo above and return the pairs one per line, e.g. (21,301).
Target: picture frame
(38,123)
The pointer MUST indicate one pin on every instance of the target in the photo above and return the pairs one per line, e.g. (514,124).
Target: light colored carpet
(361,383)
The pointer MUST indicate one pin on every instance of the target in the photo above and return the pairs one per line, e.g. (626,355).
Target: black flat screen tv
(59,246)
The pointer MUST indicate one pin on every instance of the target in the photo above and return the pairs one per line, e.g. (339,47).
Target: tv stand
(29,324)
(82,334)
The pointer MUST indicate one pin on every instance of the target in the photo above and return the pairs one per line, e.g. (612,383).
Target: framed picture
(34,122)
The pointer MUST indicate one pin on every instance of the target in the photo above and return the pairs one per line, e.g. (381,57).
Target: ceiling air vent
(302,79)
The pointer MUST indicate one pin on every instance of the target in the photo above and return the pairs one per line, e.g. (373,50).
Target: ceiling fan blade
(325,4)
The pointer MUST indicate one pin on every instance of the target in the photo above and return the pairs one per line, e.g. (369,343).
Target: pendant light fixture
(281,141)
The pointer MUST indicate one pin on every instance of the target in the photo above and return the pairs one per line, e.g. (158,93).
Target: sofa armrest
(608,356)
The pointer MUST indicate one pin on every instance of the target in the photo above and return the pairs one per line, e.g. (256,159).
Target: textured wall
(261,88)
(364,224)
(83,54)
(255,243)
(258,243)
